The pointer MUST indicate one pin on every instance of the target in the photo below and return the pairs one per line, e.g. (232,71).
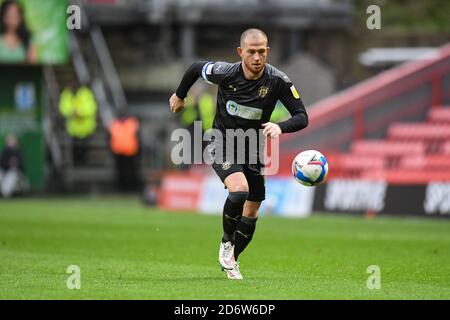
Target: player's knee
(238,196)
(252,213)
(238,187)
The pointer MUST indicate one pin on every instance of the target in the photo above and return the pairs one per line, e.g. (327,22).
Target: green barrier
(21,114)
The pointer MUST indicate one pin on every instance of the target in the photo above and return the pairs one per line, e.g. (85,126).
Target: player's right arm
(211,72)
(191,75)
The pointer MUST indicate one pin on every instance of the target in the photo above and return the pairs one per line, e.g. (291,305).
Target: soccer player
(247,94)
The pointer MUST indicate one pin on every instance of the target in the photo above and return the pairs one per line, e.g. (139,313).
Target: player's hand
(271,130)
(176,104)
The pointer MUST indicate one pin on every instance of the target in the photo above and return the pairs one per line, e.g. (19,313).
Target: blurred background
(84,99)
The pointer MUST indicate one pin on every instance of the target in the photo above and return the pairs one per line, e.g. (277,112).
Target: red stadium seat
(353,165)
(439,115)
(432,162)
(360,162)
(406,176)
(446,148)
(419,131)
(413,153)
(416,176)
(387,148)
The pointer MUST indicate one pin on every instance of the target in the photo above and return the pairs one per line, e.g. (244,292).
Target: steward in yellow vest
(80,111)
(202,109)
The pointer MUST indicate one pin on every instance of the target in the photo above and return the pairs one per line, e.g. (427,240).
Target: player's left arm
(292,101)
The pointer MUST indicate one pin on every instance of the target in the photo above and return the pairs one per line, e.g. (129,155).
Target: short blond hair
(253,31)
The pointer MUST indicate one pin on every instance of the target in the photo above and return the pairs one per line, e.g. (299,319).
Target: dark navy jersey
(244,104)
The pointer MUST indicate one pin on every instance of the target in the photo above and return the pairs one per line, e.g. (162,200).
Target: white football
(310,168)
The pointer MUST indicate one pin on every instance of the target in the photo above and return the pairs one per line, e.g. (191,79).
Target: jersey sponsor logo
(263,91)
(244,112)
(294,92)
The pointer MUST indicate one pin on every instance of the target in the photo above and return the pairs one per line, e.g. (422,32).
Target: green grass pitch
(127,251)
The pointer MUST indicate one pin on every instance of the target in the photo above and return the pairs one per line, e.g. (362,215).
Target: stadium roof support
(285,13)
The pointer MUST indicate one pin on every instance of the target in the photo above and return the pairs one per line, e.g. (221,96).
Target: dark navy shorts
(252,172)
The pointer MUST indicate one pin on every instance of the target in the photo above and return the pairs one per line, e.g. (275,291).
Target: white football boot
(234,274)
(226,255)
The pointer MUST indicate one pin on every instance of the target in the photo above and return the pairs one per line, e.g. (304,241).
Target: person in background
(79,108)
(124,143)
(199,106)
(12,178)
(16,43)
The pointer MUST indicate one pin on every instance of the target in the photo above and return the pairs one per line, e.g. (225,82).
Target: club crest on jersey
(226,165)
(263,91)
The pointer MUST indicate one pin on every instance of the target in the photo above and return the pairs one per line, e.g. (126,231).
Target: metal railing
(101,66)
(108,68)
(85,76)
(49,118)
